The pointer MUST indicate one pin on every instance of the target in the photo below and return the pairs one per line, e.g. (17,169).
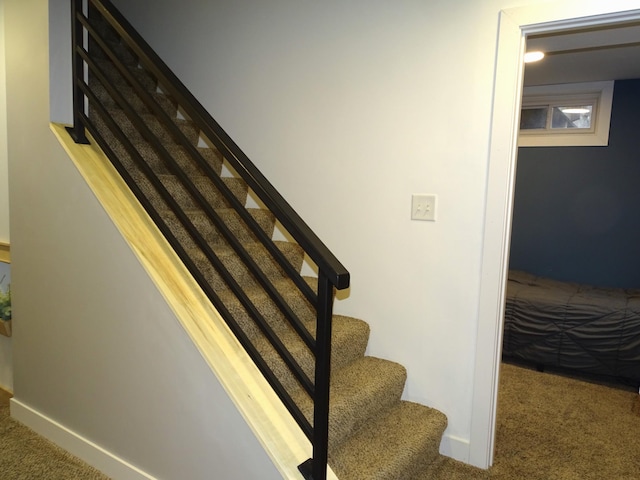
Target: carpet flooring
(550,427)
(553,427)
(24,455)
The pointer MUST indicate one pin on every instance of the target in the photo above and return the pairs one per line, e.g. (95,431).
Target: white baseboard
(455,447)
(89,452)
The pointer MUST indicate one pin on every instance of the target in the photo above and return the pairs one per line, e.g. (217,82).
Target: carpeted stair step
(185,161)
(276,319)
(229,217)
(116,78)
(164,101)
(240,272)
(121,51)
(359,392)
(349,338)
(105,31)
(162,133)
(400,443)
(184,198)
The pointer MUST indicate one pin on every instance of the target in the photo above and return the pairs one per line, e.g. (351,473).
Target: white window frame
(598,94)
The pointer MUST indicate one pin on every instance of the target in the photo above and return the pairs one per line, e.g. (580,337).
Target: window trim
(598,94)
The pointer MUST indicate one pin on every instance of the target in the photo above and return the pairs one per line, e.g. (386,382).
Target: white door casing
(515,24)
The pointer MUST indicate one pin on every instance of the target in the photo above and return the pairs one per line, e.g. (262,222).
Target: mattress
(571,326)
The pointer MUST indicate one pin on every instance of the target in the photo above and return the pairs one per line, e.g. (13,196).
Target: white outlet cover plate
(423,206)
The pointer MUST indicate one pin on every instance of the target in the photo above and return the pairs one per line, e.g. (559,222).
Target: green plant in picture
(5,303)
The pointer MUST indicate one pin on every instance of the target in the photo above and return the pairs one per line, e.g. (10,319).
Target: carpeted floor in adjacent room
(549,428)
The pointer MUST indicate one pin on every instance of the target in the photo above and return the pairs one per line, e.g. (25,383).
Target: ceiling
(586,55)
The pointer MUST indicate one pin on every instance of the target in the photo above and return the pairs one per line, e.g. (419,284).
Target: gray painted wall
(96,348)
(576,208)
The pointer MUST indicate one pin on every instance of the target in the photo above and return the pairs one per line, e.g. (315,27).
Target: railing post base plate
(306,469)
(77,137)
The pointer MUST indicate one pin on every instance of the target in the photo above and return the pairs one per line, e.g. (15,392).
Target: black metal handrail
(332,275)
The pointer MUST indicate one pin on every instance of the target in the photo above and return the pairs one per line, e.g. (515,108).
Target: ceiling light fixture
(530,57)
(580,110)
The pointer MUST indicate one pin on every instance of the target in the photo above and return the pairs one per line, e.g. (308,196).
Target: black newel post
(316,468)
(77,131)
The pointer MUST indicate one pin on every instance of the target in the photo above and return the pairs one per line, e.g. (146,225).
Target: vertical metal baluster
(77,131)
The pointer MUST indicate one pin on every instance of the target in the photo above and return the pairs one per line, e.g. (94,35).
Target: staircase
(373,434)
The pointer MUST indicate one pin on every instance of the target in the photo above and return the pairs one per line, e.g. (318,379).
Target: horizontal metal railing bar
(177,246)
(193,231)
(175,131)
(267,241)
(308,240)
(153,105)
(328,278)
(292,318)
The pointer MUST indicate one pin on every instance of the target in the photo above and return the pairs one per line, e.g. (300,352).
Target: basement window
(576,114)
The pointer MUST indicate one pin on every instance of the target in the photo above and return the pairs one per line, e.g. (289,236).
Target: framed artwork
(5,298)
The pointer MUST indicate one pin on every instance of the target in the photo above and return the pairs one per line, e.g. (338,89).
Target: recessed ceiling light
(530,57)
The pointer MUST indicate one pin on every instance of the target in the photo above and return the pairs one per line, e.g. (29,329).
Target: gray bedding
(571,326)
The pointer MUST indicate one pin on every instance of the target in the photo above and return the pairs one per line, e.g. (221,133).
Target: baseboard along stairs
(373,433)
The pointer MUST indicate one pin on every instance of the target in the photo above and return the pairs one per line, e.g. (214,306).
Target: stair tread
(400,444)
(241,272)
(146,80)
(130,94)
(203,185)
(155,126)
(349,340)
(232,220)
(356,395)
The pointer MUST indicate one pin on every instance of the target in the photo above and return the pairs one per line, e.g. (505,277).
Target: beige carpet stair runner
(373,433)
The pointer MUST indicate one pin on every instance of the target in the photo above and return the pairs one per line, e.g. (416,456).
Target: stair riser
(184,161)
(159,132)
(116,78)
(134,100)
(271,313)
(105,31)
(241,273)
(122,52)
(349,342)
(401,444)
(230,218)
(358,396)
(207,191)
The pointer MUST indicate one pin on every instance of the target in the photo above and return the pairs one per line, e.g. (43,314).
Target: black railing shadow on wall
(86,16)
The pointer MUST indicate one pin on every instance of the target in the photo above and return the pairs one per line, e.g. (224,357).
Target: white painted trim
(502,149)
(96,456)
(455,447)
(515,25)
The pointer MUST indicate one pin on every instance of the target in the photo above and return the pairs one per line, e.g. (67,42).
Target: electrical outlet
(423,207)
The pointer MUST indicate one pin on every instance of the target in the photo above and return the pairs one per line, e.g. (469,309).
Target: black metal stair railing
(331,273)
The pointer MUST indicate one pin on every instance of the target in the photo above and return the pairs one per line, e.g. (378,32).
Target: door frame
(514,26)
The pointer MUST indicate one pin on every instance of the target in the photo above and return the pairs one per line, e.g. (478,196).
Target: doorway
(515,25)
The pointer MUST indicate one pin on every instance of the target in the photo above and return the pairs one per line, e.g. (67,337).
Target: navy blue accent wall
(577,209)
